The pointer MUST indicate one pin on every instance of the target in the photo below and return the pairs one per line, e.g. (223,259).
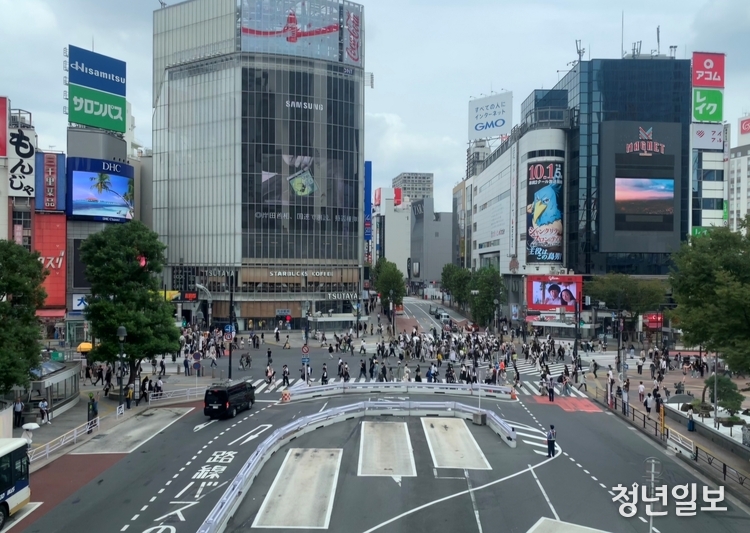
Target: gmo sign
(482,126)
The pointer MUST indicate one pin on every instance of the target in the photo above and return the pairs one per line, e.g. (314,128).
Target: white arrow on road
(253,434)
(201,426)
(397,479)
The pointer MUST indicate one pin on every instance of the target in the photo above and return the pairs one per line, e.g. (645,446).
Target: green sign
(708,105)
(94,108)
(726,211)
(696,231)
(58,356)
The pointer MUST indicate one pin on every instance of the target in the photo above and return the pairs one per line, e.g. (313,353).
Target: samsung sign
(491,116)
(96,71)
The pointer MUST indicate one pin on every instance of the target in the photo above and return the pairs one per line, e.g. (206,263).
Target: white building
(391,220)
(738,168)
(415,185)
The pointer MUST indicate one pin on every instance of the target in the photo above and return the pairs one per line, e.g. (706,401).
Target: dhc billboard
(50,182)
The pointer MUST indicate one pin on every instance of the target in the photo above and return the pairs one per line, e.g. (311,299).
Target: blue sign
(305,360)
(100,190)
(229,328)
(368,201)
(50,182)
(96,71)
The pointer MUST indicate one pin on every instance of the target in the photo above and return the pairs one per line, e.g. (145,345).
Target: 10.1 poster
(544,212)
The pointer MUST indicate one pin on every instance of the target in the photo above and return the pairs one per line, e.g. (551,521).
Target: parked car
(226,399)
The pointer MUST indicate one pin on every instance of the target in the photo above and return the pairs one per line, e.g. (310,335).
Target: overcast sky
(429,57)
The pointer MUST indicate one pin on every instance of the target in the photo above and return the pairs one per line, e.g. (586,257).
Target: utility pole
(231,320)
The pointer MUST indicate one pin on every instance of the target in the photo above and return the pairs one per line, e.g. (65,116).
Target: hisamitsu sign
(96,71)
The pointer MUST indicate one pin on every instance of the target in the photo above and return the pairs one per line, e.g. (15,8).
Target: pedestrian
(18,412)
(162,367)
(129,396)
(44,412)
(551,438)
(285,376)
(648,403)
(641,392)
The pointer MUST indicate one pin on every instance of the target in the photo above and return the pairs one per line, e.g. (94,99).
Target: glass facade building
(258,154)
(645,90)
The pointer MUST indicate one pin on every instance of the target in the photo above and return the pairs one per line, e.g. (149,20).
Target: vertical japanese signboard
(50,238)
(50,182)
(3,126)
(544,212)
(708,87)
(513,199)
(21,149)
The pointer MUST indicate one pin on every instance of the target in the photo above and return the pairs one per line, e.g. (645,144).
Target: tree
(625,293)
(728,396)
(447,276)
(102,182)
(21,294)
(121,264)
(375,270)
(711,285)
(390,278)
(489,287)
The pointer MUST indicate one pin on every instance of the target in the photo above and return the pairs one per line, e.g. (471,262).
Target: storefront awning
(50,313)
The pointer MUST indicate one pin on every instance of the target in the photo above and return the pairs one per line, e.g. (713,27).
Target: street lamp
(359,300)
(393,313)
(121,334)
(231,320)
(199,318)
(496,302)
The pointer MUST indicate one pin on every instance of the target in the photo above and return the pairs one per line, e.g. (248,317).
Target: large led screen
(644,204)
(100,190)
(548,293)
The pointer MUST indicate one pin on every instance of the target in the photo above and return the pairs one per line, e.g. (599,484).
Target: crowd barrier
(217,520)
(401,387)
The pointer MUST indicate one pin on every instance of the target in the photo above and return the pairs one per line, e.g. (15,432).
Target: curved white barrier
(401,387)
(217,520)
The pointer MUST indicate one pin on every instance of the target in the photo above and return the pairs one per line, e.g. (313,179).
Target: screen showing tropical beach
(102,196)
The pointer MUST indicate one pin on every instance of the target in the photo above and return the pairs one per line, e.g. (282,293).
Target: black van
(226,399)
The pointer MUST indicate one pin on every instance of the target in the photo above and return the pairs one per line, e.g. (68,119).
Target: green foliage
(390,278)
(457,281)
(729,397)
(620,291)
(711,285)
(21,294)
(489,286)
(124,293)
(375,270)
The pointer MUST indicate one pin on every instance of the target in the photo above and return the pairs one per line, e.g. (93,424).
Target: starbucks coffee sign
(299,274)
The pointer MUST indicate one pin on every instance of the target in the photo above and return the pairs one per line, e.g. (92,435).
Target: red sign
(745,126)
(3,126)
(378,193)
(50,237)
(18,233)
(396,197)
(352,27)
(50,182)
(653,320)
(708,70)
(549,293)
(189,296)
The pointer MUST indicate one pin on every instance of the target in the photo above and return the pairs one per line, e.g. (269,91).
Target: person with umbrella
(27,433)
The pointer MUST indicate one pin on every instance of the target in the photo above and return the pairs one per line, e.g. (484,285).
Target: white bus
(14,478)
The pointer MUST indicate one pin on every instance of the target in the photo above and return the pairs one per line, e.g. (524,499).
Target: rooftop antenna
(163,3)
(579,50)
(673,51)
(658,40)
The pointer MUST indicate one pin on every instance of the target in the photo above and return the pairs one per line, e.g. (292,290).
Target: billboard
(640,201)
(100,190)
(708,70)
(397,197)
(21,149)
(4,126)
(549,293)
(744,128)
(544,212)
(708,105)
(96,90)
(490,116)
(50,239)
(50,182)
(368,201)
(317,29)
(707,136)
(377,197)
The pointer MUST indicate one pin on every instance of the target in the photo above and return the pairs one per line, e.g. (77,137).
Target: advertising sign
(513,199)
(368,201)
(50,182)
(97,109)
(79,302)
(544,212)
(549,293)
(744,126)
(50,238)
(21,162)
(4,126)
(100,190)
(708,70)
(707,136)
(318,29)
(96,71)
(639,200)
(708,105)
(490,116)
(18,234)
(397,197)
(378,196)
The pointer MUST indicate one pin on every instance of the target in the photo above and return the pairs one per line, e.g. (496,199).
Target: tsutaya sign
(645,145)
(342,296)
(298,274)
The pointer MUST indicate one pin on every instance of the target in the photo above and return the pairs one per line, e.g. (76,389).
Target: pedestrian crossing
(263,387)
(530,379)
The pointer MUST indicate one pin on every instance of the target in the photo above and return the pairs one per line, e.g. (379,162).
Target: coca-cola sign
(353,35)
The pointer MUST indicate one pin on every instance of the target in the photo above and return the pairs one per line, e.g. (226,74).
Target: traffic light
(184,322)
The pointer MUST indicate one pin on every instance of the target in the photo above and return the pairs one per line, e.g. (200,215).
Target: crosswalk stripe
(540,453)
(531,443)
(262,386)
(527,435)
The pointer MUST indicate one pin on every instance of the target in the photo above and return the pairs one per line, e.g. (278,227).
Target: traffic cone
(513,394)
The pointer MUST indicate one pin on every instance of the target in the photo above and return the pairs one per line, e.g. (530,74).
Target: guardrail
(193,393)
(400,387)
(217,520)
(741,481)
(71,437)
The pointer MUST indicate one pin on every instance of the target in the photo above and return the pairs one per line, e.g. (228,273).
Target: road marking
(179,494)
(125,527)
(188,463)
(168,483)
(452,445)
(323,408)
(153,498)
(541,453)
(589,473)
(473,500)
(456,495)
(135,517)
(602,485)
(144,508)
(160,491)
(612,493)
(177,512)
(176,475)
(592,477)
(551,507)
(579,465)
(385,450)
(205,424)
(534,443)
(642,519)
(182,469)
(252,434)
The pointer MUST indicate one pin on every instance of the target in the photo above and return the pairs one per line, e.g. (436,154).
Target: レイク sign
(645,145)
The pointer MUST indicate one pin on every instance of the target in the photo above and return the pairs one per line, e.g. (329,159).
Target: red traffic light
(288,318)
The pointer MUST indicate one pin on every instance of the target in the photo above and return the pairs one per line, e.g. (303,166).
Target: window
(6,475)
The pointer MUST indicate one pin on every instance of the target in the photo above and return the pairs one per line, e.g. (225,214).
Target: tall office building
(258,168)
(415,185)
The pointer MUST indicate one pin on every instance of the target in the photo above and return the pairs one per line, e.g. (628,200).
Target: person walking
(551,438)
(129,396)
(285,376)
(18,412)
(44,412)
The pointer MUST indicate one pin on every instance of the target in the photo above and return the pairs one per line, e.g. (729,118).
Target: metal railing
(740,481)
(71,437)
(400,387)
(652,426)
(219,517)
(193,393)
